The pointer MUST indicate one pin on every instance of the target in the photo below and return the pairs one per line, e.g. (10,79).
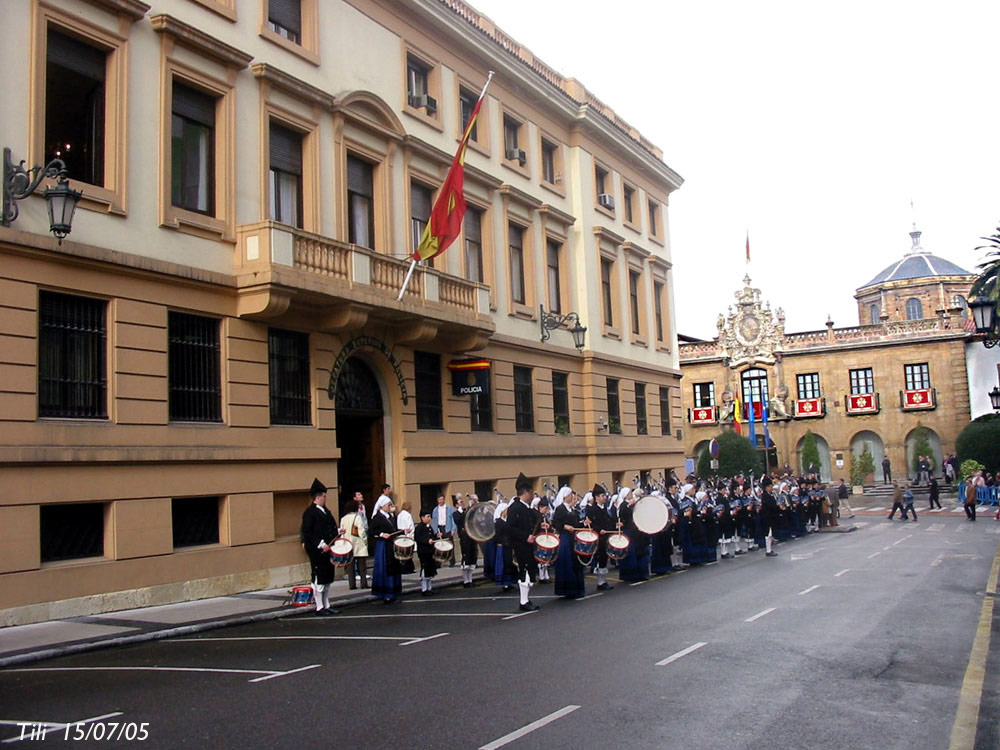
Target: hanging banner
(470,377)
(920,398)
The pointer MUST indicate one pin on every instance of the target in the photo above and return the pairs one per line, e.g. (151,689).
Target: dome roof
(917,264)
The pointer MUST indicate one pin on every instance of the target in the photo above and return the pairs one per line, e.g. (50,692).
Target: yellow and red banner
(737,415)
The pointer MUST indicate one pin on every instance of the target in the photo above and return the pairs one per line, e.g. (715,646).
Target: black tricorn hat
(318,488)
(598,490)
(765,482)
(522,484)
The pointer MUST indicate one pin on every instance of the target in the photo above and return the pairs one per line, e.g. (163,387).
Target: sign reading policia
(470,377)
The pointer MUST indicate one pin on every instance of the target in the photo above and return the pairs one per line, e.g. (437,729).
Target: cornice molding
(198,40)
(294,86)
(133,9)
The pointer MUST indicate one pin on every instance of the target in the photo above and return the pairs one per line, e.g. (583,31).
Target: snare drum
(546,548)
(403,547)
(650,515)
(618,546)
(302,596)
(585,542)
(341,552)
(442,550)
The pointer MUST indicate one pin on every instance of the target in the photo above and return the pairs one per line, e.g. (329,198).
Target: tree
(980,441)
(921,447)
(810,453)
(736,455)
(968,468)
(987,284)
(861,466)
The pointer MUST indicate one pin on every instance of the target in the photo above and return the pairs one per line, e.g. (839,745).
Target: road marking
(53,725)
(425,638)
(519,614)
(590,596)
(874,554)
(638,583)
(838,575)
(527,729)
(757,616)
(900,541)
(935,527)
(470,599)
(886,549)
(284,674)
(266,674)
(411,614)
(811,588)
(679,654)
(294,638)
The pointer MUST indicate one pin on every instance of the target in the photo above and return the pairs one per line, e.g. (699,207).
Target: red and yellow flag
(737,415)
(445,222)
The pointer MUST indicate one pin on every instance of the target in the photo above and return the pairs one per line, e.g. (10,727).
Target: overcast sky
(812,125)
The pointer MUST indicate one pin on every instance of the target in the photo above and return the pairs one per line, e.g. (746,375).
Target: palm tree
(987,284)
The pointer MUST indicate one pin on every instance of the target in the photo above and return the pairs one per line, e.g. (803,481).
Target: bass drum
(479,524)
(650,515)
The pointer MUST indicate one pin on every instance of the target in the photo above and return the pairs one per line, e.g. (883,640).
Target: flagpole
(406,281)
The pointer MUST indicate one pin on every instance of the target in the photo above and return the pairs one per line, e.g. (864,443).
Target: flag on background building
(737,415)
(767,432)
(752,436)
(748,247)
(446,217)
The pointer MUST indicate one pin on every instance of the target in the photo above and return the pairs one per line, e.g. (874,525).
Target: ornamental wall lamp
(550,321)
(984,315)
(995,398)
(19,183)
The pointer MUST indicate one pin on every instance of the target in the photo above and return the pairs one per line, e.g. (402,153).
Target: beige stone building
(222,325)
(905,367)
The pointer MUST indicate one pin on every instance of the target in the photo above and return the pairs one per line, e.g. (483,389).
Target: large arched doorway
(917,442)
(360,435)
(871,441)
(823,449)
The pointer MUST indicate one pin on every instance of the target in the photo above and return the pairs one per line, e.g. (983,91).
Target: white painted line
(811,588)
(757,616)
(145,669)
(838,575)
(293,638)
(450,599)
(519,614)
(937,561)
(935,527)
(53,725)
(425,638)
(638,583)
(886,549)
(409,614)
(874,554)
(900,541)
(284,674)
(590,596)
(679,654)
(527,729)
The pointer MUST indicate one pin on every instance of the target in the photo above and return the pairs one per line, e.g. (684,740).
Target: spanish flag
(445,222)
(737,414)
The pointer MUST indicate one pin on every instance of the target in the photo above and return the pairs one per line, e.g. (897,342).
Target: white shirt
(404,522)
(442,515)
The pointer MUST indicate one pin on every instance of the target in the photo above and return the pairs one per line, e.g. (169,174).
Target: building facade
(879,385)
(222,324)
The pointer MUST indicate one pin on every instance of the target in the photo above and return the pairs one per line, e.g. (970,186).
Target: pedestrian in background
(886,470)
(897,501)
(935,492)
(842,493)
(354,527)
(404,523)
(908,502)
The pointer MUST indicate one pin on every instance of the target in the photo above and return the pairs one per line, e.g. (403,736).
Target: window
(473,231)
(192,184)
(754,383)
(516,241)
(640,409)
(193,359)
(512,140)
(917,376)
(664,410)
(524,418)
(875,315)
(288,377)
(195,521)
(420,212)
(418,94)
(548,162)
(75,75)
(607,296)
(429,493)
(467,103)
(704,394)
(658,309)
(71,531)
(654,216)
(862,381)
(914,309)
(552,251)
(614,411)
(484,490)
(481,412)
(601,181)
(286,175)
(560,402)
(284,18)
(957,300)
(360,202)
(628,198)
(72,357)
(808,385)
(633,300)
(427,373)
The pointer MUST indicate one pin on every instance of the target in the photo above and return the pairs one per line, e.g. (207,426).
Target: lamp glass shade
(983,314)
(578,332)
(62,201)
(995,398)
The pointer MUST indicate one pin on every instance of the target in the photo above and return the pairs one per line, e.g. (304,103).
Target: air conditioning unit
(424,101)
(606,200)
(516,154)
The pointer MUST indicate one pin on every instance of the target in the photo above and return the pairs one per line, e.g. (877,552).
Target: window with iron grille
(427,371)
(862,381)
(71,531)
(481,412)
(614,410)
(285,175)
(195,521)
(288,377)
(704,394)
(640,409)
(917,376)
(664,411)
(72,356)
(524,417)
(194,383)
(284,18)
(192,155)
(560,402)
(808,385)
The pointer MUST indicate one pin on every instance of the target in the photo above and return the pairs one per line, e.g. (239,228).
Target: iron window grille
(195,521)
(524,418)
(427,372)
(71,531)
(194,383)
(72,357)
(288,371)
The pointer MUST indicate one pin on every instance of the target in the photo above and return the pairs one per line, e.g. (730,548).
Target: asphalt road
(857,640)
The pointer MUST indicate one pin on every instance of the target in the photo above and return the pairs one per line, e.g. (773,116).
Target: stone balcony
(286,275)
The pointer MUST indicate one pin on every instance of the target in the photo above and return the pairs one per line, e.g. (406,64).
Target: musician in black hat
(599,515)
(522,525)
(319,529)
(770,514)
(469,548)
(425,535)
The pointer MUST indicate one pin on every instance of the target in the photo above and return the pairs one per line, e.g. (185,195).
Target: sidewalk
(46,640)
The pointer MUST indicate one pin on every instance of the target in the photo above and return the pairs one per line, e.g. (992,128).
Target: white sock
(725,547)
(423,583)
(768,540)
(602,576)
(524,589)
(318,595)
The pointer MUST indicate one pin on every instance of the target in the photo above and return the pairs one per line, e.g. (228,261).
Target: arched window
(957,300)
(875,315)
(754,382)
(914,310)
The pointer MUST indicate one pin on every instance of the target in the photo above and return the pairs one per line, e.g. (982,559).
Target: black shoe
(326,612)
(389,601)
(529,607)
(604,587)
(770,554)
(332,611)
(508,588)
(425,593)
(466,585)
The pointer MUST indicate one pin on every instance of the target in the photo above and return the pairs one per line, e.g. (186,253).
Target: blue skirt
(635,565)
(569,574)
(384,585)
(489,559)
(659,558)
(503,571)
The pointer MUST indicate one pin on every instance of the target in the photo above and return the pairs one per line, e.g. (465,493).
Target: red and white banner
(921,398)
(704,415)
(862,403)
(809,407)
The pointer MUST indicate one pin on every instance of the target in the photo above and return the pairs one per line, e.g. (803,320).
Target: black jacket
(318,525)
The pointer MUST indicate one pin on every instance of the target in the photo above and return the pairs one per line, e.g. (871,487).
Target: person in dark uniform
(522,525)
(504,573)
(425,536)
(935,493)
(469,548)
(318,531)
(570,572)
(770,515)
(599,515)
(387,579)
(634,566)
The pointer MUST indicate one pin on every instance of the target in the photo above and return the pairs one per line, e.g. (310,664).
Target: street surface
(858,640)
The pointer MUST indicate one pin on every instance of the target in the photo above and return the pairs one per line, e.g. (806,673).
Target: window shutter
(286,13)
(420,202)
(194,105)
(286,149)
(359,176)
(72,54)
